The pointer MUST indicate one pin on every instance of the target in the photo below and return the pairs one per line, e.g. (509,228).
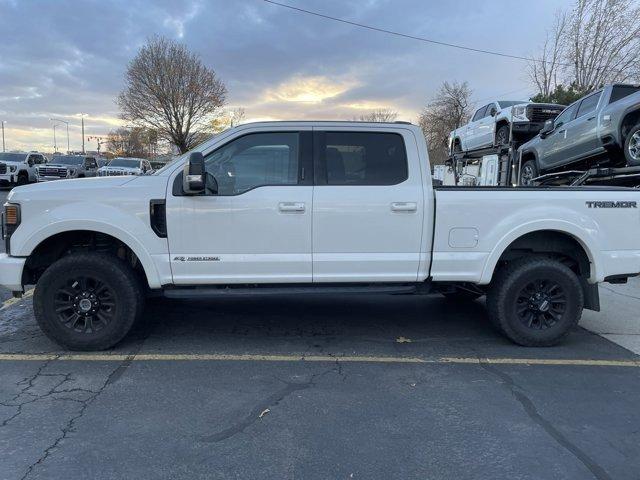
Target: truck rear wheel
(535,301)
(632,147)
(87,301)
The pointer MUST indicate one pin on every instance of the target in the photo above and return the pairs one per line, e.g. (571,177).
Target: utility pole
(3,122)
(82,119)
(67,124)
(55,143)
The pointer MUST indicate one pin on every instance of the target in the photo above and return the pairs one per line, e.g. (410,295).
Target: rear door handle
(291,207)
(404,206)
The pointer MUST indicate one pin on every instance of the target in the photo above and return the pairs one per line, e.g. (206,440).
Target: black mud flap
(591,295)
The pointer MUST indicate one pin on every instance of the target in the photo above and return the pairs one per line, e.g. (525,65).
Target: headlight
(71,172)
(519,112)
(13,168)
(10,219)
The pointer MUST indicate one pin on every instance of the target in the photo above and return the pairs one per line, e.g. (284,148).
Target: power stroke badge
(196,259)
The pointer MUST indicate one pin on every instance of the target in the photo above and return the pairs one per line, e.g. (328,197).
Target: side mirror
(547,128)
(194,174)
(493,112)
(30,162)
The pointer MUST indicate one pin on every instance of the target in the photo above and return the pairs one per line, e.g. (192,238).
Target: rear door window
(360,158)
(480,113)
(618,92)
(589,104)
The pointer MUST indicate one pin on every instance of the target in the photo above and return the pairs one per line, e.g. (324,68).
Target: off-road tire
(531,169)
(632,136)
(124,294)
(504,300)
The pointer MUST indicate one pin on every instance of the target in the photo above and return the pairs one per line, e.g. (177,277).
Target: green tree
(562,95)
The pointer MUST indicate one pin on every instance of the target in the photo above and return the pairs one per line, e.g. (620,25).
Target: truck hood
(69,185)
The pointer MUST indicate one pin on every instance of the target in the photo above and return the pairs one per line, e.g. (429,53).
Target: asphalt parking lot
(322,387)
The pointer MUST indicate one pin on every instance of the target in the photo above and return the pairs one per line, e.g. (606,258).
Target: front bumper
(8,179)
(11,269)
(527,127)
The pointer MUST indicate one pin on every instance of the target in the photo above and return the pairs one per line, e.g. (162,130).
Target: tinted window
(124,162)
(589,104)
(620,91)
(479,114)
(566,115)
(255,160)
(362,158)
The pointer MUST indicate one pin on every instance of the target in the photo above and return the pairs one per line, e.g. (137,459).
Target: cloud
(67,57)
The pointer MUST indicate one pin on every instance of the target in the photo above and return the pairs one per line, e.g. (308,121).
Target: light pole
(3,122)
(55,143)
(67,124)
(82,120)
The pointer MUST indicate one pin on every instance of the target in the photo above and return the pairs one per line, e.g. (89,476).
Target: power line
(405,35)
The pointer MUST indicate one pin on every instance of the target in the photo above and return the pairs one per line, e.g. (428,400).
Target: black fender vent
(158,216)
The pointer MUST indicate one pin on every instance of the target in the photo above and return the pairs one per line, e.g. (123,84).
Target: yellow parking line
(152,357)
(13,301)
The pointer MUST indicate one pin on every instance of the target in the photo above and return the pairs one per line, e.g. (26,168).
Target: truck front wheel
(87,301)
(535,301)
(502,136)
(528,173)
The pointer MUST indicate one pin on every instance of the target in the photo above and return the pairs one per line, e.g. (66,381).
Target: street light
(3,122)
(55,143)
(82,120)
(67,124)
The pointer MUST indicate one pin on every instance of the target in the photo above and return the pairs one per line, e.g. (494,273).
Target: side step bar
(232,291)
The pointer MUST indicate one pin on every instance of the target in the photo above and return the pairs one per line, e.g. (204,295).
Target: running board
(231,291)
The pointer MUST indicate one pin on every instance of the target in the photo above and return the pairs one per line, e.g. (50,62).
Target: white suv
(125,166)
(19,168)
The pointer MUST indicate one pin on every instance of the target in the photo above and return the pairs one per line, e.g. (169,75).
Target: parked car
(602,126)
(68,166)
(125,166)
(19,168)
(491,124)
(242,215)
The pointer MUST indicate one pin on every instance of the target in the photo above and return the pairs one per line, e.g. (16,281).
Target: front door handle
(404,206)
(291,207)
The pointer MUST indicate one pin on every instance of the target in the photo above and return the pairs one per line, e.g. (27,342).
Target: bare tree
(448,110)
(603,42)
(544,68)
(379,115)
(169,89)
(596,42)
(133,142)
(228,119)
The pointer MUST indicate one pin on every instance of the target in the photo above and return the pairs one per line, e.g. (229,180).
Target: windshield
(67,160)
(12,157)
(124,162)
(510,103)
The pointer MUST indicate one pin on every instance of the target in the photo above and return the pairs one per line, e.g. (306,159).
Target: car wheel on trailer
(632,146)
(528,172)
(502,136)
(87,301)
(535,301)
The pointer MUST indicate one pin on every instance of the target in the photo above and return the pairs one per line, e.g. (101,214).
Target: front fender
(131,228)
(585,237)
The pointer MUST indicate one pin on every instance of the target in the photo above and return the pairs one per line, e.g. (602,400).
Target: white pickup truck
(323,207)
(495,123)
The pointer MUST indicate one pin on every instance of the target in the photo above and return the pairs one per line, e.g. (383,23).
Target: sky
(63,58)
